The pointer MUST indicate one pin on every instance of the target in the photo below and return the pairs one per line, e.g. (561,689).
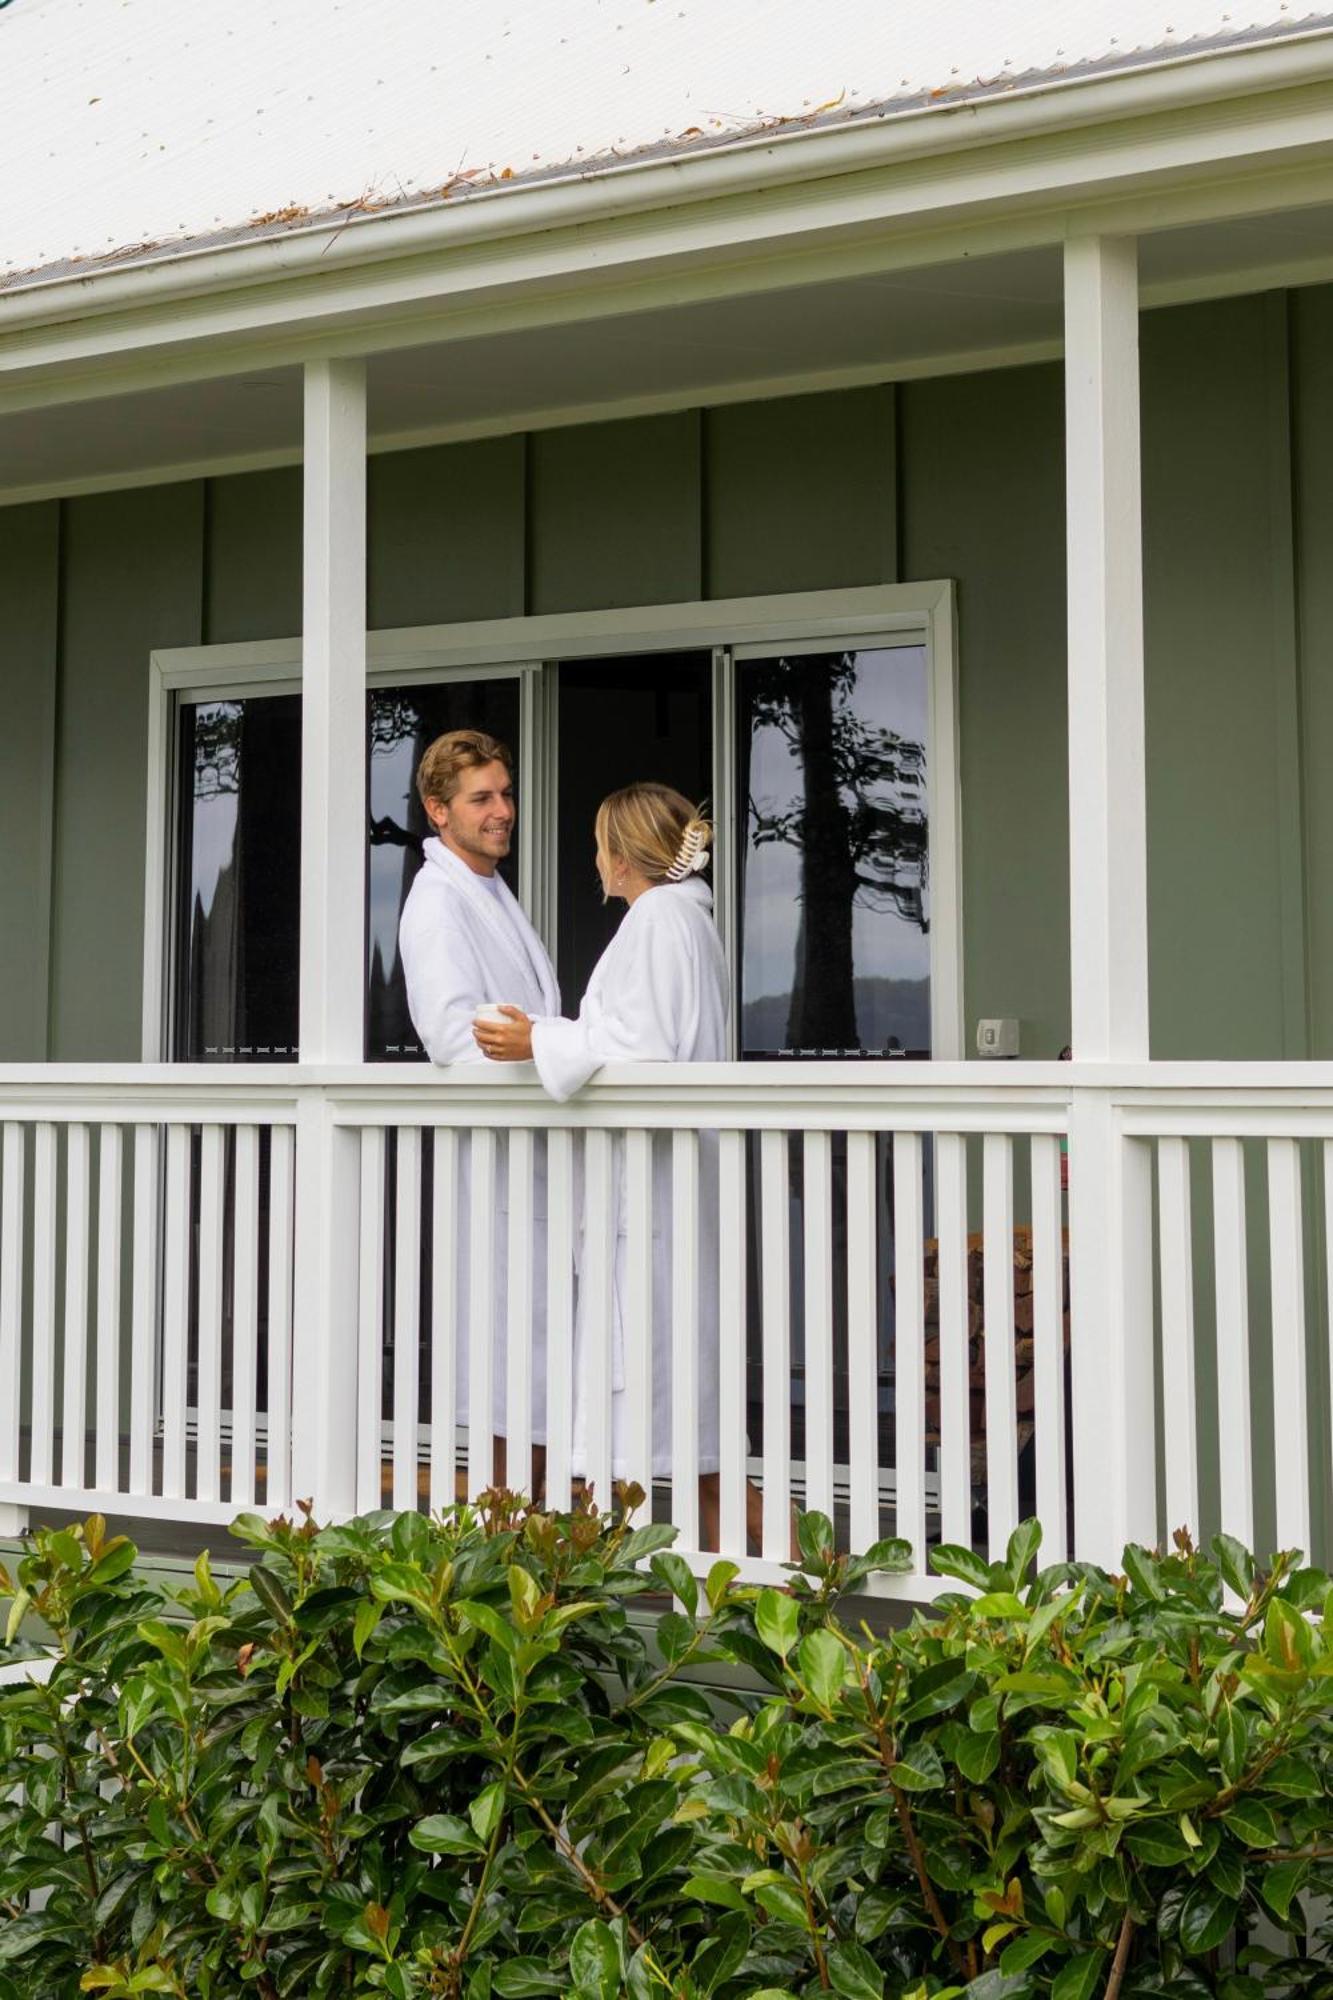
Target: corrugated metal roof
(130,123)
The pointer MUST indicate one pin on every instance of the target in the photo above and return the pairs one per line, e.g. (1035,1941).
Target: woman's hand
(509,1040)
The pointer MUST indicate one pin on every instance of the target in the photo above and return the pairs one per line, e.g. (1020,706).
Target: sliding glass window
(834,889)
(236,949)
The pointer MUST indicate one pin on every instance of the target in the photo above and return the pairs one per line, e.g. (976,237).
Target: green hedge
(412,1756)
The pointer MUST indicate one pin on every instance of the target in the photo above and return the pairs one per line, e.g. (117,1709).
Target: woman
(657,994)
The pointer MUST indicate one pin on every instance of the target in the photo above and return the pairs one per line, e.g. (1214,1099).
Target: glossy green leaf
(674,1574)
(977,1755)
(952,1559)
(777,1621)
(594,1960)
(853,1973)
(1251,1821)
(1207,1916)
(821,1663)
(1279,1884)
(1079,1978)
(1143,1573)
(919,1769)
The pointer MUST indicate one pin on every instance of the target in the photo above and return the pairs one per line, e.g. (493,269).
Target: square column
(333,715)
(1108,871)
(333,876)
(1110,1217)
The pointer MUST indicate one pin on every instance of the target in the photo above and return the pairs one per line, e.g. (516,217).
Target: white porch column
(1109,1176)
(333,848)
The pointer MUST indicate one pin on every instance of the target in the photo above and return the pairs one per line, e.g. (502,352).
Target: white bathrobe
(657,994)
(463,943)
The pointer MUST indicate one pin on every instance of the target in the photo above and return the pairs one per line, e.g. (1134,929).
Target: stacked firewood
(1024,1369)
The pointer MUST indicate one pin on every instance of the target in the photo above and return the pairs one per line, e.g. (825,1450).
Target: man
(463,936)
(465,943)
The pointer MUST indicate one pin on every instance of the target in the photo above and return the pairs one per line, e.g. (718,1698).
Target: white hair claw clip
(691,855)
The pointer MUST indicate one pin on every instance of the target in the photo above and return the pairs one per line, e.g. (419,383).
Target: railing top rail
(994,1096)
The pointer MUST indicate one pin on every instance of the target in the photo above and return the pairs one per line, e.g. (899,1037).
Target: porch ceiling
(974,313)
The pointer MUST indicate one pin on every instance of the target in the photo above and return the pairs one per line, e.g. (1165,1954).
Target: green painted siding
(446,533)
(959,477)
(982,482)
(132,581)
(29,586)
(252,556)
(614,512)
(800,494)
(1312,388)
(1214,686)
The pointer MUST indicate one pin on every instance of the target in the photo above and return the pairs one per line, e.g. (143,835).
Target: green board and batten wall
(959,477)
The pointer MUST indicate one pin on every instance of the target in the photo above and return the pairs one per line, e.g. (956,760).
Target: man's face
(478,822)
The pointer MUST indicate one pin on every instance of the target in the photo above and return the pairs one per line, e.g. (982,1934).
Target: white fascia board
(874,194)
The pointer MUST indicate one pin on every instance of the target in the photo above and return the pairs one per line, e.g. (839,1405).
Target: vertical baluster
(818,1226)
(776,1286)
(282,1196)
(74,1413)
(955,1425)
(518,1329)
(1291,1444)
(370,1323)
(406,1318)
(481,1313)
(910,1344)
(43,1305)
(1230,1266)
(444,1319)
(176,1311)
(998,1306)
(110,1156)
(143,1308)
(208,1379)
(11,1299)
(1048,1337)
(731,1343)
(1176,1264)
(559,1316)
(244,1315)
(862,1346)
(686,1394)
(639,1330)
(596,1281)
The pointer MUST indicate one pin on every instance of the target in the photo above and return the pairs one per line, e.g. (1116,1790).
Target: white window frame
(890,614)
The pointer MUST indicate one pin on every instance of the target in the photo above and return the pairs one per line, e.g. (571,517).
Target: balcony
(209,1282)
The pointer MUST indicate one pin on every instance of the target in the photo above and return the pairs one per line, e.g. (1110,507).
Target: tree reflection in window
(239,877)
(400,723)
(835,905)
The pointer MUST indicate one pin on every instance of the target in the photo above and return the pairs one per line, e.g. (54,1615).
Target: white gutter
(763,163)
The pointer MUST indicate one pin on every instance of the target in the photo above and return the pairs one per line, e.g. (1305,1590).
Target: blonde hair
(654,829)
(440,772)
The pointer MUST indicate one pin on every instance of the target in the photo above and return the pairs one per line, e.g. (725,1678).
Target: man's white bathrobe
(464,940)
(657,994)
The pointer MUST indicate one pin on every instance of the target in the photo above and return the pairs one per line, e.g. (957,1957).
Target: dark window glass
(835,905)
(401,722)
(649,716)
(239,869)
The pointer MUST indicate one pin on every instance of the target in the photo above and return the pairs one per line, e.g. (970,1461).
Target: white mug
(489,1010)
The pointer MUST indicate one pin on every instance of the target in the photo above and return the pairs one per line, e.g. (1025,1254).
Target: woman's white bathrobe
(463,943)
(657,994)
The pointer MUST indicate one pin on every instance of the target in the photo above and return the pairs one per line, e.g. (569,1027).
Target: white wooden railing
(164,1233)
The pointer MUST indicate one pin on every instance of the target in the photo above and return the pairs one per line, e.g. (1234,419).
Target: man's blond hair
(440,772)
